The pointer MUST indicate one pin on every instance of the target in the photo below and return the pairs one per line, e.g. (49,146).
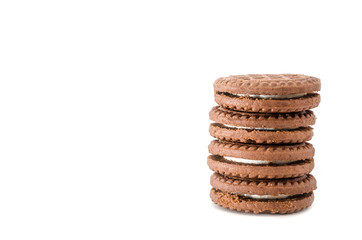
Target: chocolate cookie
(268,92)
(262,128)
(261,161)
(226,167)
(263,196)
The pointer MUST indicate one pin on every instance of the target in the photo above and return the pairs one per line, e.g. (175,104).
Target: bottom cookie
(246,204)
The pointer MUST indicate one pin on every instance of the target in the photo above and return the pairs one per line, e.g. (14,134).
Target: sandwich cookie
(268,92)
(263,196)
(260,161)
(261,128)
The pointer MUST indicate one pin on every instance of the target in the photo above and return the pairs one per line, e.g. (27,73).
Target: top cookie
(268,84)
(268,93)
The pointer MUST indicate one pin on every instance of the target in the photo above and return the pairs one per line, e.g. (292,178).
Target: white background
(104,115)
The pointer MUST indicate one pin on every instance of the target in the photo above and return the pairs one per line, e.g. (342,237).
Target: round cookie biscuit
(263,196)
(226,133)
(224,167)
(254,152)
(282,206)
(262,120)
(264,187)
(268,84)
(268,92)
(247,104)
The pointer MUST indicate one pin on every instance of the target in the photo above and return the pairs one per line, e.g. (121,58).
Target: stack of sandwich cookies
(261,158)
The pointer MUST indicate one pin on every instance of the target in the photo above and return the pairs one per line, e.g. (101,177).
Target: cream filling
(263,129)
(257,162)
(289,96)
(280,196)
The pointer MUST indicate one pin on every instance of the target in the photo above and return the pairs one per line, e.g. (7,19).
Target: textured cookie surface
(273,187)
(220,165)
(262,120)
(248,104)
(270,153)
(281,206)
(298,135)
(268,84)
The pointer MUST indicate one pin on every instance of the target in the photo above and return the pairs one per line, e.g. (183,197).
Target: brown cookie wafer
(223,132)
(263,196)
(268,92)
(270,153)
(283,206)
(267,171)
(262,120)
(273,187)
